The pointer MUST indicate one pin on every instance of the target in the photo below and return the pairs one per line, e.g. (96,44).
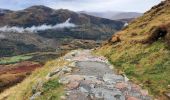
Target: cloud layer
(34,29)
(81,5)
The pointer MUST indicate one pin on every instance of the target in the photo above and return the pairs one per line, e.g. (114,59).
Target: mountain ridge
(41,17)
(114,15)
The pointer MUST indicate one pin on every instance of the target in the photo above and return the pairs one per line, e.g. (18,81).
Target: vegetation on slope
(14,59)
(87,28)
(141,50)
(50,88)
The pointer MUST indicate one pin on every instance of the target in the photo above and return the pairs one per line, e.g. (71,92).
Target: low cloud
(34,29)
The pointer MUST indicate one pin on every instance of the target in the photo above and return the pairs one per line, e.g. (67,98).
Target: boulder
(114,39)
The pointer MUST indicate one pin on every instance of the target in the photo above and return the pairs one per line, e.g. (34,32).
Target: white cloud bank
(34,29)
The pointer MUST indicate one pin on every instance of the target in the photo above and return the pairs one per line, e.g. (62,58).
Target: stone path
(92,78)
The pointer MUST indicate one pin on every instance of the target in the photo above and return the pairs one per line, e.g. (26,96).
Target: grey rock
(69,78)
(77,95)
(66,69)
(82,89)
(94,68)
(135,94)
(146,98)
(107,94)
(33,97)
(112,78)
(51,74)
(72,65)
(63,81)
(98,80)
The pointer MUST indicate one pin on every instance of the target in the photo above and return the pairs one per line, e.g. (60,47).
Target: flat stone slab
(107,94)
(93,68)
(93,78)
(113,78)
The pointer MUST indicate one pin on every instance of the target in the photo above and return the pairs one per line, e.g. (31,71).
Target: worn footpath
(90,77)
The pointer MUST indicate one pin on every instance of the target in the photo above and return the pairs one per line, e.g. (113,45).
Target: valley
(46,29)
(33,36)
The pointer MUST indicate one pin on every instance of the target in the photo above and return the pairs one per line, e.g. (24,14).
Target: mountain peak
(39,7)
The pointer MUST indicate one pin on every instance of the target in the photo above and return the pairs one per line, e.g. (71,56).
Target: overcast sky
(84,5)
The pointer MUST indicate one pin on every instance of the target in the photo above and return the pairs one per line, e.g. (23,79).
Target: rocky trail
(93,78)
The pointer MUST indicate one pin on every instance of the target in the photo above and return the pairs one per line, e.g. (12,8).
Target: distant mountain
(126,20)
(126,15)
(4,11)
(107,14)
(41,28)
(114,15)
(38,15)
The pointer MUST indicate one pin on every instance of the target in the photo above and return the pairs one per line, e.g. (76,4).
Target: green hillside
(142,51)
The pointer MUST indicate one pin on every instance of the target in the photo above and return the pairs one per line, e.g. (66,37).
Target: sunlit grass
(14,59)
(147,64)
(23,91)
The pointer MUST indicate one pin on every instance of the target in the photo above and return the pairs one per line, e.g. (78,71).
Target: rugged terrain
(56,28)
(32,36)
(78,75)
(15,69)
(140,54)
(141,50)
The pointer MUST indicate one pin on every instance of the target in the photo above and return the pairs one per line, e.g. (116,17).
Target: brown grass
(23,90)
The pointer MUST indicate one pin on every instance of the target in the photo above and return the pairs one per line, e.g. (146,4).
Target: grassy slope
(24,90)
(148,64)
(14,59)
